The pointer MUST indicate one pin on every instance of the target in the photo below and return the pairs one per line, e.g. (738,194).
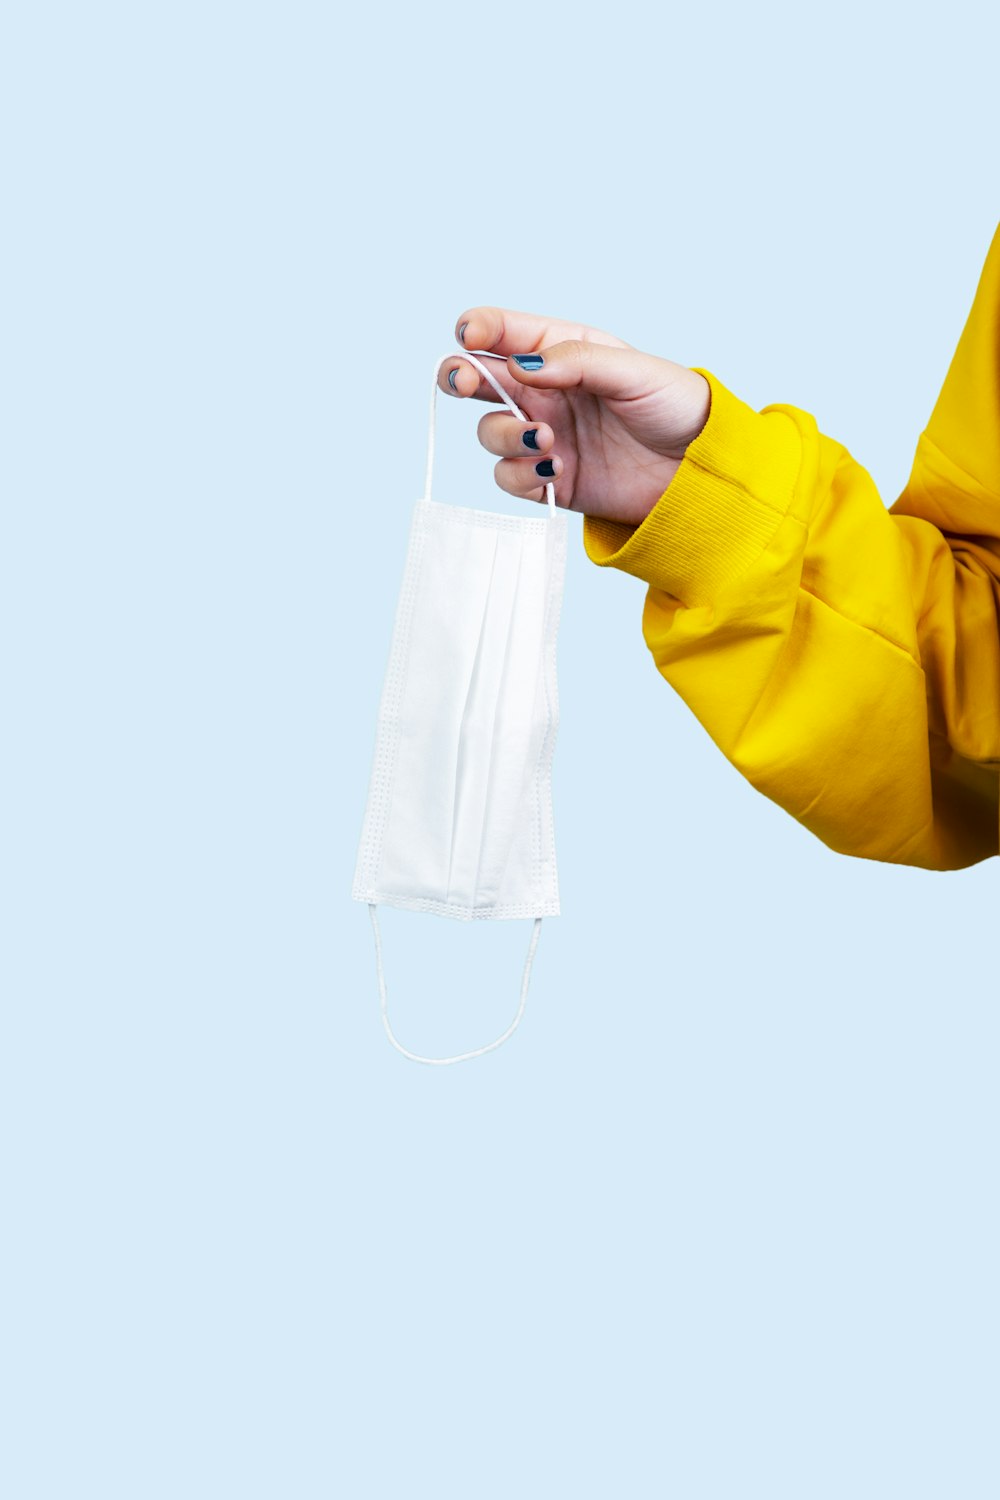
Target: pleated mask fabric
(458,820)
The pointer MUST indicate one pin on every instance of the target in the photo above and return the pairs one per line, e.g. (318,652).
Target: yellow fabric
(844,657)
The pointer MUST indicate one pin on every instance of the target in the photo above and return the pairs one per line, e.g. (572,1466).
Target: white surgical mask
(459,814)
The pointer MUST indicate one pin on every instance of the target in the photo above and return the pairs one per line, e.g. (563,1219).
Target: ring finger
(508,437)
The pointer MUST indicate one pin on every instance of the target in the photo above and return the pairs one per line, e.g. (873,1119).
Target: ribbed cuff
(731,491)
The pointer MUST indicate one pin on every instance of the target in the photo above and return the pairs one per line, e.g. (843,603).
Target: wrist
(699,399)
(693,418)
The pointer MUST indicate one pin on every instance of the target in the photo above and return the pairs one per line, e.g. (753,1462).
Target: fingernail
(545,469)
(451,380)
(530,438)
(529,361)
(461,332)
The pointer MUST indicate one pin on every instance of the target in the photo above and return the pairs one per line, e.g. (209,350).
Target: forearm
(806,627)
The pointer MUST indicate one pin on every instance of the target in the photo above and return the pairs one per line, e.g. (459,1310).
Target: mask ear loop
(550,490)
(440,1062)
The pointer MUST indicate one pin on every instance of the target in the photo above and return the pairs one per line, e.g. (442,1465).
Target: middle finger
(458,377)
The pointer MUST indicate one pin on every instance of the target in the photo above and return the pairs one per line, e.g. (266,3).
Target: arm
(844,657)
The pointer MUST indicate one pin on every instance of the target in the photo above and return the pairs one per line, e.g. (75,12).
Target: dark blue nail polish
(461,332)
(451,380)
(530,438)
(529,361)
(545,469)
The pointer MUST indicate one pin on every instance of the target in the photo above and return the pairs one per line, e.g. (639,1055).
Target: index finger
(502,330)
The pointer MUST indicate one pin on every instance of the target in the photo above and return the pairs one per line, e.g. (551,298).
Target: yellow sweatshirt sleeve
(844,657)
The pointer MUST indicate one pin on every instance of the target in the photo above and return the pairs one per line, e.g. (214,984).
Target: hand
(613,422)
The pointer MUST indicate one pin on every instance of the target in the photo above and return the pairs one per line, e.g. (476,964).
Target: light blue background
(721,1220)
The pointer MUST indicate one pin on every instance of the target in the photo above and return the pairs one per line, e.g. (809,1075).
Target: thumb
(601,369)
